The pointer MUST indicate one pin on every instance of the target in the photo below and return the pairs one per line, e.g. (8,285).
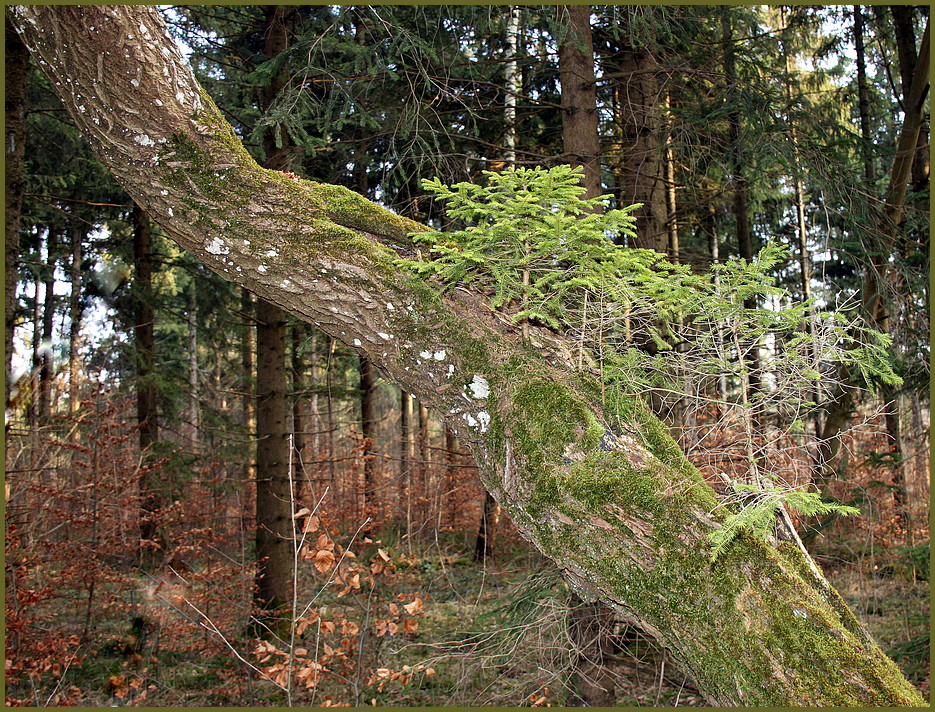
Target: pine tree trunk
(640,170)
(273,492)
(75,311)
(147,394)
(580,137)
(193,417)
(300,424)
(17,71)
(273,503)
(368,423)
(863,99)
(597,485)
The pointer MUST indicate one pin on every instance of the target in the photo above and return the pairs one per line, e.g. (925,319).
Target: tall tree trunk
(580,137)
(513,85)
(75,311)
(46,362)
(740,190)
(368,423)
(640,167)
(273,501)
(422,439)
(906,51)
(863,99)
(17,72)
(600,488)
(405,459)
(147,394)
(248,384)
(193,417)
(300,423)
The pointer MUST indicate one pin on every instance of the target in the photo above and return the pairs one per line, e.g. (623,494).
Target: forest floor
(493,633)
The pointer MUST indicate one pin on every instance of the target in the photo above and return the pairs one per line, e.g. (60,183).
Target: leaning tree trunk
(603,490)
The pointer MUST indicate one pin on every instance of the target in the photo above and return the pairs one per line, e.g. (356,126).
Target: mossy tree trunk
(601,489)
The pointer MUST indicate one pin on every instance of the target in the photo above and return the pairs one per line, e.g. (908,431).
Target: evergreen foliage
(758,508)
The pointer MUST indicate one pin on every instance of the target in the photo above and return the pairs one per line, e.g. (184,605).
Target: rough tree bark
(580,136)
(274,498)
(601,489)
(638,158)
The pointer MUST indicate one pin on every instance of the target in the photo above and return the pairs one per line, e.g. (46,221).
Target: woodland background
(143,388)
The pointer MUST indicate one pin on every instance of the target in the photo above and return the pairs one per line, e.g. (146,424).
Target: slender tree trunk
(17,71)
(425,498)
(483,545)
(193,417)
(580,137)
(405,459)
(863,99)
(75,311)
(740,189)
(600,488)
(300,419)
(513,85)
(449,486)
(248,385)
(147,394)
(46,363)
(368,423)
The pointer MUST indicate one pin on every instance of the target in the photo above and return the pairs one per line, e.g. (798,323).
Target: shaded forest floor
(493,633)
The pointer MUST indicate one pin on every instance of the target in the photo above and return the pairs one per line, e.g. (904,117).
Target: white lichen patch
(387,337)
(439,355)
(357,342)
(271,253)
(144,140)
(389,305)
(217,247)
(451,370)
(480,389)
(481,422)
(484,418)
(262,269)
(425,354)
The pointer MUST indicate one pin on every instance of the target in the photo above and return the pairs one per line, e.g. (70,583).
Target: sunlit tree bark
(599,487)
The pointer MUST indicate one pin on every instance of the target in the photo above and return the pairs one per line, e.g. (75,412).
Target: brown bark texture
(274,492)
(639,160)
(600,488)
(579,96)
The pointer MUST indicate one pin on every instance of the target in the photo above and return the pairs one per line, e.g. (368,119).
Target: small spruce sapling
(529,237)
